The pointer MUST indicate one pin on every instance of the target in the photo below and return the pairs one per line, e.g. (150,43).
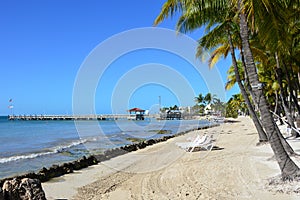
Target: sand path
(164,171)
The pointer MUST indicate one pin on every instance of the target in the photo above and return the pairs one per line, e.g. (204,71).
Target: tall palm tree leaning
(226,26)
(225,40)
(207,12)
(276,37)
(261,133)
(288,168)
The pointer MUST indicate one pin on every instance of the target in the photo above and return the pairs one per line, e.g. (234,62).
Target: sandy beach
(238,169)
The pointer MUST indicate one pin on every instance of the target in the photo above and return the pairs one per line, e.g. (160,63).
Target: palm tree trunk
(291,87)
(288,168)
(285,144)
(284,103)
(276,102)
(261,133)
(247,81)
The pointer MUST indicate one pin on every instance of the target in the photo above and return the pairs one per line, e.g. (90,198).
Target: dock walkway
(73,117)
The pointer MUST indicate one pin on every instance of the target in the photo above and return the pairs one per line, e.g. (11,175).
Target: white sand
(164,171)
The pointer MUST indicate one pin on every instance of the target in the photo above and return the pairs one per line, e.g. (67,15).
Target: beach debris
(21,189)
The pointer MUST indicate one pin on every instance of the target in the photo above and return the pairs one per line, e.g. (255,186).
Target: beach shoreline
(238,170)
(57,170)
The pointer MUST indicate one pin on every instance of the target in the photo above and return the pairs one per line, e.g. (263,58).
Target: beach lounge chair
(205,141)
(207,144)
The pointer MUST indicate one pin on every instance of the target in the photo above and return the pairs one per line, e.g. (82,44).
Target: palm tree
(231,108)
(200,103)
(199,13)
(199,99)
(231,77)
(216,37)
(208,98)
(262,57)
(288,168)
(218,106)
(257,123)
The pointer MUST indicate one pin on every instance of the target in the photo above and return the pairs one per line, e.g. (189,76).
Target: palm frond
(169,8)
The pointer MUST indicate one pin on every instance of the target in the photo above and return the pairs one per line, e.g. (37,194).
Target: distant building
(171,115)
(174,114)
(207,109)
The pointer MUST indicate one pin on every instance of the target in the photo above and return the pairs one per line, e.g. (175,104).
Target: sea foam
(57,149)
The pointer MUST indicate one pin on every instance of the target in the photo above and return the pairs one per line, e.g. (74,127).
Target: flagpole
(11,107)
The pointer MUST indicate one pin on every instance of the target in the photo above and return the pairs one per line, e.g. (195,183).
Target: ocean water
(27,146)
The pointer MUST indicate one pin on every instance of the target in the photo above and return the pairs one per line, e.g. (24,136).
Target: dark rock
(100,158)
(1,194)
(129,148)
(31,189)
(43,174)
(10,189)
(141,145)
(168,137)
(56,171)
(67,168)
(28,175)
(83,162)
(23,189)
(44,170)
(2,182)
(76,165)
(92,160)
(150,142)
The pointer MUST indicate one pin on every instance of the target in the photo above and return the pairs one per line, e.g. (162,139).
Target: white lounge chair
(203,141)
(207,144)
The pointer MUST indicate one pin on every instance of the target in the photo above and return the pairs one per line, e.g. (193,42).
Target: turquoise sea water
(27,146)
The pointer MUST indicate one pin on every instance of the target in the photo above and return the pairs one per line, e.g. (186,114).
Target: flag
(11,107)
(10,100)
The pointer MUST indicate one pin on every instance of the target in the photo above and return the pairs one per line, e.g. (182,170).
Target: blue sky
(44,43)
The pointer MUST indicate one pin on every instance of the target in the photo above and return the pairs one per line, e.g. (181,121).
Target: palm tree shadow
(214,148)
(231,121)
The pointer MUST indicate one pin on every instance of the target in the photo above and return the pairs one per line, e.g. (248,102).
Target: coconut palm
(198,13)
(218,106)
(199,103)
(216,37)
(231,77)
(257,123)
(288,168)
(199,99)
(208,98)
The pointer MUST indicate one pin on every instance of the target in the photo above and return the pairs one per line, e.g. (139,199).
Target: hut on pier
(137,114)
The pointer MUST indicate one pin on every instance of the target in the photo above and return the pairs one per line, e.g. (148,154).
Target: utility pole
(159,103)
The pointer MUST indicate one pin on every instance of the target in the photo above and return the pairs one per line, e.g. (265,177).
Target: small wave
(62,148)
(57,149)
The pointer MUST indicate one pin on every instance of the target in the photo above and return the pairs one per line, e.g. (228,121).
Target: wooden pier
(75,117)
